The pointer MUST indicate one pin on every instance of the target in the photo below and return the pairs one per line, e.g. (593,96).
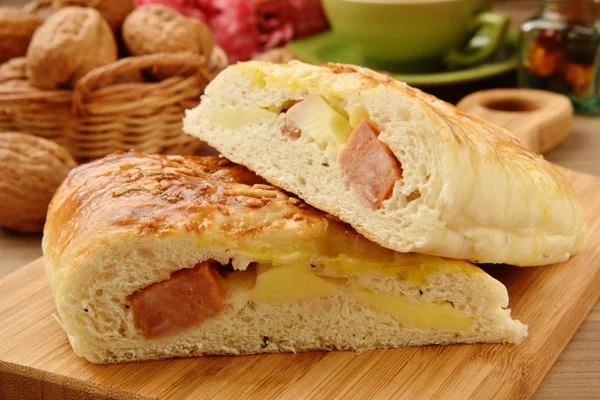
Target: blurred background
(529,66)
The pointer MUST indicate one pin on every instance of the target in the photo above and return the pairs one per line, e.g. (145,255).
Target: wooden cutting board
(37,362)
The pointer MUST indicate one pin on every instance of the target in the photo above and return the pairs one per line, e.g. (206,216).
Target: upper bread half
(152,257)
(405,169)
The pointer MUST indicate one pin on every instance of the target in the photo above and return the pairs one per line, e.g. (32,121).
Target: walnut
(32,170)
(72,42)
(155,29)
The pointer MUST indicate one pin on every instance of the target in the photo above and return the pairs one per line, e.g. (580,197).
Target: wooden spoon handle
(541,120)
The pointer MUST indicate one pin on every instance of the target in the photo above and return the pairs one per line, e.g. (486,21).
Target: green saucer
(326,47)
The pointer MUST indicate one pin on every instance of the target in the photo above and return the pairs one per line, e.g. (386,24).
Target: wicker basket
(101,115)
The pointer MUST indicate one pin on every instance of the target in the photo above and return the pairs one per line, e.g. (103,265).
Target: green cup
(418,35)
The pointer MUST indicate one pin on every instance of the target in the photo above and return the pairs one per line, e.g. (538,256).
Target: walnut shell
(155,29)
(72,42)
(113,11)
(32,169)
(16,30)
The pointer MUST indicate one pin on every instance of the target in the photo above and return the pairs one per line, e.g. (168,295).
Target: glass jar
(559,51)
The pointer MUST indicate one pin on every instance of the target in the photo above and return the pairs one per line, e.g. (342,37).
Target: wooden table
(576,374)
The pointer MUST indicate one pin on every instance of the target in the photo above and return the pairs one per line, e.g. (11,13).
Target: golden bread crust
(137,195)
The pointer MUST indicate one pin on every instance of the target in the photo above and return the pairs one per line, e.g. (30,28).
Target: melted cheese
(411,267)
(289,283)
(424,315)
(235,117)
(279,283)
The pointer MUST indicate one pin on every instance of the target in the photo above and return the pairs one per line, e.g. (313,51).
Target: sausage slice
(187,298)
(369,165)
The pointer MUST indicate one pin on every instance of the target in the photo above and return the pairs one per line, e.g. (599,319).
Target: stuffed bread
(405,169)
(151,257)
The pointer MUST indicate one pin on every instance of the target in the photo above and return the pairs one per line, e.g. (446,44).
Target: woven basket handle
(34,6)
(105,76)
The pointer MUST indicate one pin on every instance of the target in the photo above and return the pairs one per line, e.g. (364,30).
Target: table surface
(576,373)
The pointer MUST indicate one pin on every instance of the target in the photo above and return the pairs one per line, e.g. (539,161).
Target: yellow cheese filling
(232,117)
(342,257)
(296,283)
(424,315)
(289,283)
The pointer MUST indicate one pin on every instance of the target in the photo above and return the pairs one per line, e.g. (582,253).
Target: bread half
(405,169)
(152,257)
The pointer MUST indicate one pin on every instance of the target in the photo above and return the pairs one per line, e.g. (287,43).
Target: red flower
(244,28)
